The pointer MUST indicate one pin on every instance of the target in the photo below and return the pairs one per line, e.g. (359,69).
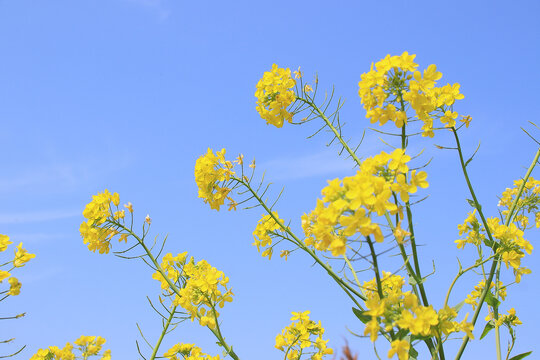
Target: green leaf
(402,333)
(491,300)
(459,306)
(413,354)
(487,329)
(473,204)
(361,316)
(521,356)
(412,281)
(472,156)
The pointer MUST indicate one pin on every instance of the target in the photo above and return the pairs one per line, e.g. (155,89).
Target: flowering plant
(357,219)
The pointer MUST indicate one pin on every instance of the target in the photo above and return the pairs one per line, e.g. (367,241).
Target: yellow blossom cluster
(86,345)
(473,231)
(303,337)
(509,319)
(263,231)
(473,297)
(21,257)
(394,81)
(94,231)
(402,310)
(347,205)
(187,352)
(528,202)
(274,95)
(171,266)
(512,246)
(212,172)
(201,287)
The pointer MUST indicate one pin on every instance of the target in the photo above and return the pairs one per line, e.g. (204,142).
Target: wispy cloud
(37,216)
(322,163)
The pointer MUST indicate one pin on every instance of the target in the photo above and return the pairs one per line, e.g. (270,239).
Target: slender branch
(165,328)
(488,231)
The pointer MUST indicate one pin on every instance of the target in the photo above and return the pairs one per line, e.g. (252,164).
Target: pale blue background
(126,94)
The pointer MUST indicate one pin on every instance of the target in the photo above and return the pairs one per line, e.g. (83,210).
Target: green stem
(496,260)
(165,328)
(461,272)
(301,245)
(170,283)
(333,128)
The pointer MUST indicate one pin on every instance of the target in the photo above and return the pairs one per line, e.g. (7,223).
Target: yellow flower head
(211,172)
(274,95)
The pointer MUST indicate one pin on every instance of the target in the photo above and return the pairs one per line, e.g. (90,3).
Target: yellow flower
(129,206)
(211,172)
(274,95)
(401,348)
(4,242)
(466,120)
(14,286)
(22,256)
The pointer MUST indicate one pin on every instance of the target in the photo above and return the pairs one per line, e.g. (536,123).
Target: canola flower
(187,352)
(400,310)
(96,233)
(511,244)
(87,346)
(21,257)
(212,171)
(394,81)
(202,288)
(263,231)
(303,337)
(274,95)
(348,206)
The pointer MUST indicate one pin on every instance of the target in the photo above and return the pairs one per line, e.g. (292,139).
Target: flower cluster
(263,233)
(512,246)
(302,336)
(96,233)
(86,345)
(188,352)
(274,95)
(473,231)
(212,172)
(200,288)
(473,297)
(528,202)
(394,81)
(509,319)
(347,205)
(396,308)
(21,257)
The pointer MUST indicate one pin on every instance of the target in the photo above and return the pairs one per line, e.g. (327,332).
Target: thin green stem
(333,128)
(300,244)
(459,274)
(172,285)
(488,231)
(163,333)
(352,270)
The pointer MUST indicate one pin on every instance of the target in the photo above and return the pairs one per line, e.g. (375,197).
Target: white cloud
(322,163)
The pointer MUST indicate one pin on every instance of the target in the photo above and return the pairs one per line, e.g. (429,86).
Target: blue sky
(126,94)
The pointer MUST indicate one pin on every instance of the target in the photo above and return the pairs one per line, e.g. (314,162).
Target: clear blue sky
(126,94)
